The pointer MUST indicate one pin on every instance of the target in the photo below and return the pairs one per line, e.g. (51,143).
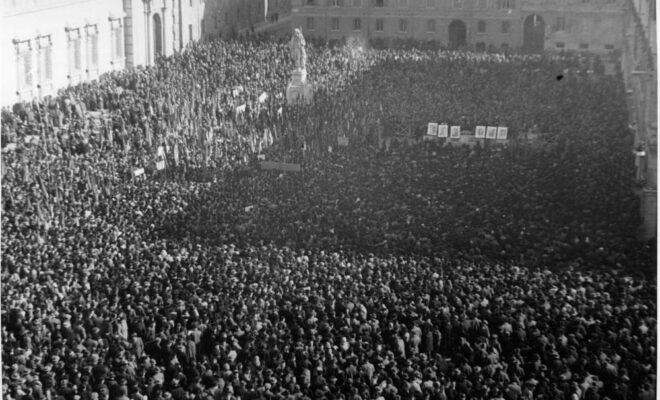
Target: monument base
(299,90)
(296,94)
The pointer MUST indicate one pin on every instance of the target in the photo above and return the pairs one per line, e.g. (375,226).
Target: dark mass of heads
(384,270)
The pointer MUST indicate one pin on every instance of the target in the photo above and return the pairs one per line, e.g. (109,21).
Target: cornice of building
(21,7)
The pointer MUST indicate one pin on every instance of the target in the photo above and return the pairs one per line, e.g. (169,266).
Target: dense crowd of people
(416,271)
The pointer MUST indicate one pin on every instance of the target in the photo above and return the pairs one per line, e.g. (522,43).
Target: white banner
(263,97)
(9,147)
(342,141)
(138,172)
(480,132)
(455,132)
(432,129)
(443,131)
(160,160)
(31,139)
(280,166)
(236,90)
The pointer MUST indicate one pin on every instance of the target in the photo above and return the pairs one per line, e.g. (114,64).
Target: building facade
(50,44)
(161,28)
(228,18)
(532,25)
(639,67)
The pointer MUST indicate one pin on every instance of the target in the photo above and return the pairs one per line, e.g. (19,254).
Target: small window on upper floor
(560,24)
(380,3)
(506,4)
(458,3)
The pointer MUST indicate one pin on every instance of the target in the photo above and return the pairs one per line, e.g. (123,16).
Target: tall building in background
(639,67)
(230,18)
(50,44)
(532,25)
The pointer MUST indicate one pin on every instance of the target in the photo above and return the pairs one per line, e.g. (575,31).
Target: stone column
(147,31)
(163,27)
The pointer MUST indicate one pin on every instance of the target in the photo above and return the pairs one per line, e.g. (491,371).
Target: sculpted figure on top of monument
(297,48)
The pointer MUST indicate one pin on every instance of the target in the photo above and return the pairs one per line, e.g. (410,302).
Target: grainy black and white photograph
(328,200)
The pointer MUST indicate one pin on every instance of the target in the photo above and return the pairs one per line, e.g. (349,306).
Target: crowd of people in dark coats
(390,267)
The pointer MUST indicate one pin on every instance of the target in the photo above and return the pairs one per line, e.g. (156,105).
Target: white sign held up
(443,131)
(432,129)
(502,132)
(491,132)
(160,160)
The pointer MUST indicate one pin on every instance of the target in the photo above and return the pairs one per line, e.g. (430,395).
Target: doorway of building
(158,37)
(457,34)
(534,34)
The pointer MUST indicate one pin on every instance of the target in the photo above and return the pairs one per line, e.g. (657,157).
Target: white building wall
(178,18)
(192,16)
(40,38)
(39,41)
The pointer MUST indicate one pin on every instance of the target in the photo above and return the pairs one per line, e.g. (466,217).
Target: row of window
(583,46)
(39,51)
(480,4)
(505,27)
(560,24)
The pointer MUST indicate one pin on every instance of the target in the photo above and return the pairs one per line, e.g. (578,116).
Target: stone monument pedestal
(299,90)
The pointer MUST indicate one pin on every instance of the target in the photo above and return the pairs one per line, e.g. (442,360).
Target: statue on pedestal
(297,48)
(299,90)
